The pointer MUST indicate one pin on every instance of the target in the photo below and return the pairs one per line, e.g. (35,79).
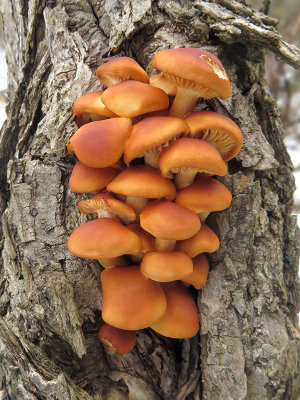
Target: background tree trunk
(50,304)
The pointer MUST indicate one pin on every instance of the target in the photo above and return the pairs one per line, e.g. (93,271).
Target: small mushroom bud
(117,340)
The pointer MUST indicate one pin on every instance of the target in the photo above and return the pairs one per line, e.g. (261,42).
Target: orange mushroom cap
(191,153)
(181,317)
(130,300)
(170,221)
(218,130)
(103,238)
(117,340)
(120,69)
(89,107)
(205,241)
(87,179)
(166,266)
(142,181)
(145,237)
(205,194)
(151,134)
(200,272)
(107,204)
(133,98)
(100,144)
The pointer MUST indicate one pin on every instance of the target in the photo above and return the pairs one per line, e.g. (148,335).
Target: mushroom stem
(164,244)
(185,177)
(184,103)
(112,262)
(203,215)
(136,203)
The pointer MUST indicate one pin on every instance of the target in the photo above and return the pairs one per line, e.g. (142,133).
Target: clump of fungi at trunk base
(149,162)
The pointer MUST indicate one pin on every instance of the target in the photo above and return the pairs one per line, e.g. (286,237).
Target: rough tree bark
(50,302)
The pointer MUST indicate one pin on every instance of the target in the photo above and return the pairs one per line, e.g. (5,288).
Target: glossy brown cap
(142,181)
(200,272)
(100,144)
(166,266)
(133,98)
(218,130)
(194,69)
(205,241)
(130,300)
(205,194)
(167,220)
(181,317)
(87,179)
(151,133)
(191,153)
(120,69)
(117,340)
(105,238)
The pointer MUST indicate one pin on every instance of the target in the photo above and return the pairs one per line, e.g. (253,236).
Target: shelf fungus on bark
(220,131)
(196,73)
(150,136)
(186,157)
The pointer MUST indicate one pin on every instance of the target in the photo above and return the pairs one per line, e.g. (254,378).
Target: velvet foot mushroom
(204,196)
(140,183)
(181,317)
(168,222)
(121,69)
(151,135)
(186,157)
(89,107)
(101,144)
(116,340)
(130,300)
(200,272)
(218,130)
(196,73)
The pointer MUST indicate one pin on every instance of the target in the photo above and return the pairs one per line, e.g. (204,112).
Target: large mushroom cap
(133,98)
(205,194)
(130,300)
(100,144)
(103,238)
(205,241)
(89,107)
(87,179)
(196,73)
(218,130)
(194,69)
(120,69)
(181,317)
(167,220)
(166,266)
(142,181)
(151,134)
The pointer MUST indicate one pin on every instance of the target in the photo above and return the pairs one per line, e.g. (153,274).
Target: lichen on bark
(50,301)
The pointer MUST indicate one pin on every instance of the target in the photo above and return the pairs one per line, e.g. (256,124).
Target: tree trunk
(50,304)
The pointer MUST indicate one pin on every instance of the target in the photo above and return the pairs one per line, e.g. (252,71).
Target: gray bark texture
(50,301)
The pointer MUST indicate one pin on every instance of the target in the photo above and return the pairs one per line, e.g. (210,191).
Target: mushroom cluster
(149,162)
